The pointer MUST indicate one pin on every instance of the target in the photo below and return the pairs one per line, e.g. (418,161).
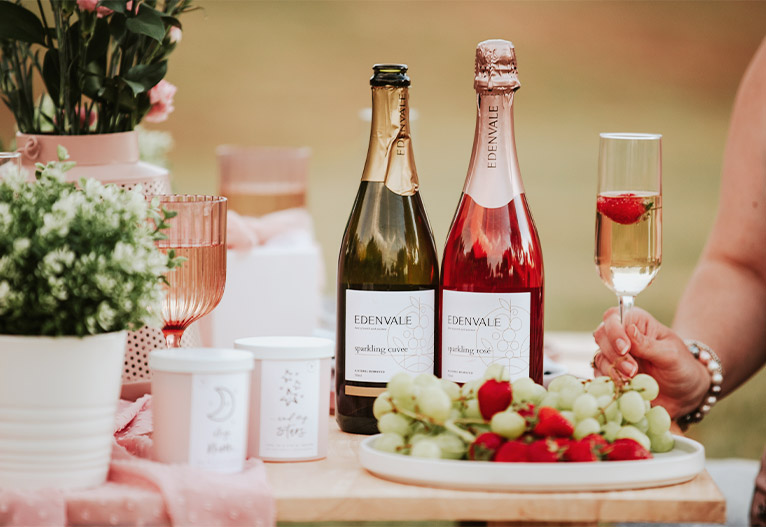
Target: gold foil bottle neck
(496,67)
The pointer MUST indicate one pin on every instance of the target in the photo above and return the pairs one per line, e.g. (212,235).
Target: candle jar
(200,402)
(289,407)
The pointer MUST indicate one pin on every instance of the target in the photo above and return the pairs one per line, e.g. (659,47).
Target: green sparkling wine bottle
(388,273)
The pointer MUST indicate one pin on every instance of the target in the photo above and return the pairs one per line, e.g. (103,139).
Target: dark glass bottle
(388,273)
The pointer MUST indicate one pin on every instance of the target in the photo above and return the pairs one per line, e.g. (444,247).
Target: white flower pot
(58,397)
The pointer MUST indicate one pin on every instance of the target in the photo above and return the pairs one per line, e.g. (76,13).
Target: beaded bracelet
(704,354)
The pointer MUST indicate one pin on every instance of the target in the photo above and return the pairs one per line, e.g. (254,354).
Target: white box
(270,291)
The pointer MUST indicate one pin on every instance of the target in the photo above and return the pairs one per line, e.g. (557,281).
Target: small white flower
(21,245)
(105,316)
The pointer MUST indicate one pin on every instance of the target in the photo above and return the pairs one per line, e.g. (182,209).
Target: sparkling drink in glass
(628,249)
(197,233)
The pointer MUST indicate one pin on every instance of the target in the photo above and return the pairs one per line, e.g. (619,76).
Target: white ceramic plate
(681,464)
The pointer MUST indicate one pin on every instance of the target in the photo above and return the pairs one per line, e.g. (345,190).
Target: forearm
(723,306)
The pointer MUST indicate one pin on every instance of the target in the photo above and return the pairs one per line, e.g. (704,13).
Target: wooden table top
(339,489)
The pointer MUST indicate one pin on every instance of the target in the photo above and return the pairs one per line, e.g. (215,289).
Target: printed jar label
(479,329)
(388,332)
(219,419)
(290,409)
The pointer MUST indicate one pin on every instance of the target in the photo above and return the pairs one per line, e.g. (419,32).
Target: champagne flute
(198,233)
(629,214)
(10,163)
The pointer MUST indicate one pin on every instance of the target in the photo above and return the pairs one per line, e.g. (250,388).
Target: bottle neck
(493,177)
(389,156)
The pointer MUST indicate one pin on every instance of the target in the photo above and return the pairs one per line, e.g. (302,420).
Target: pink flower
(175,34)
(92,5)
(87,119)
(161,97)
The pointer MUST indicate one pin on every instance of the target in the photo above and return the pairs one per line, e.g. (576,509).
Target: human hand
(644,344)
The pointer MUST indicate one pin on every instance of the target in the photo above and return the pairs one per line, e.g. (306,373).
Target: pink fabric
(245,232)
(143,492)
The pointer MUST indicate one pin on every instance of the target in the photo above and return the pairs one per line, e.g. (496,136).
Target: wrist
(708,390)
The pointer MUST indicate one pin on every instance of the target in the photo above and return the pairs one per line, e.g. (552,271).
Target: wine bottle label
(479,329)
(388,332)
(289,420)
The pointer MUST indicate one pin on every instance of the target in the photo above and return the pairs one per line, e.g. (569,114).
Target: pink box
(288,403)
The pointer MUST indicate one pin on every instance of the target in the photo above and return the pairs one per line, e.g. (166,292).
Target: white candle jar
(200,403)
(289,406)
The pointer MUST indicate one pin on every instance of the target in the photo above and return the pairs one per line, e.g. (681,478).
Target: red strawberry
(513,451)
(484,447)
(623,208)
(626,450)
(494,396)
(598,441)
(527,411)
(582,450)
(550,423)
(543,451)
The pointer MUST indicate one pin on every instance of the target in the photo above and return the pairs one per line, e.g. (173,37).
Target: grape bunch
(493,419)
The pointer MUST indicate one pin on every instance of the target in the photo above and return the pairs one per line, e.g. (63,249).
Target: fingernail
(636,332)
(622,346)
(628,368)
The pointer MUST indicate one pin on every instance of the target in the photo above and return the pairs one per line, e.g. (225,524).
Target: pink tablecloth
(141,492)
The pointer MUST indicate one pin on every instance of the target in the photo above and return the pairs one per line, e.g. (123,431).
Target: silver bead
(716,378)
(716,388)
(705,409)
(711,400)
(713,366)
(704,356)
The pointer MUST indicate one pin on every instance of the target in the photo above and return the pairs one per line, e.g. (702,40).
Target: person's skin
(724,305)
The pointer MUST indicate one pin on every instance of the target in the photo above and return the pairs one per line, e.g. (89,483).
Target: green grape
(399,385)
(632,406)
(394,423)
(646,386)
(425,380)
(610,430)
(600,386)
(472,410)
(568,394)
(585,406)
(389,442)
(455,413)
(662,442)
(426,448)
(563,381)
(382,405)
(470,388)
(569,416)
(508,424)
(610,408)
(452,447)
(496,371)
(659,420)
(450,388)
(642,425)
(586,427)
(647,406)
(432,402)
(527,390)
(551,399)
(631,432)
(418,437)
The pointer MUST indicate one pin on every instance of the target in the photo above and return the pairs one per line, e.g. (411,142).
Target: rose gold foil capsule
(496,66)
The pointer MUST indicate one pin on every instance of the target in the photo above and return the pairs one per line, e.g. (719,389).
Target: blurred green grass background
(296,74)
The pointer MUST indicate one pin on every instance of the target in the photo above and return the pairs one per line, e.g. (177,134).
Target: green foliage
(78,261)
(93,62)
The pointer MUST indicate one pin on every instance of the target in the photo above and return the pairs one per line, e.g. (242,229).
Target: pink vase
(111,158)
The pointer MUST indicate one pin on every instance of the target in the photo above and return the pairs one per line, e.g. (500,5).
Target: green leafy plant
(78,260)
(99,62)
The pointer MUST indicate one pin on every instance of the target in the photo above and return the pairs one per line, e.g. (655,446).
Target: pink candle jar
(289,406)
(200,402)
